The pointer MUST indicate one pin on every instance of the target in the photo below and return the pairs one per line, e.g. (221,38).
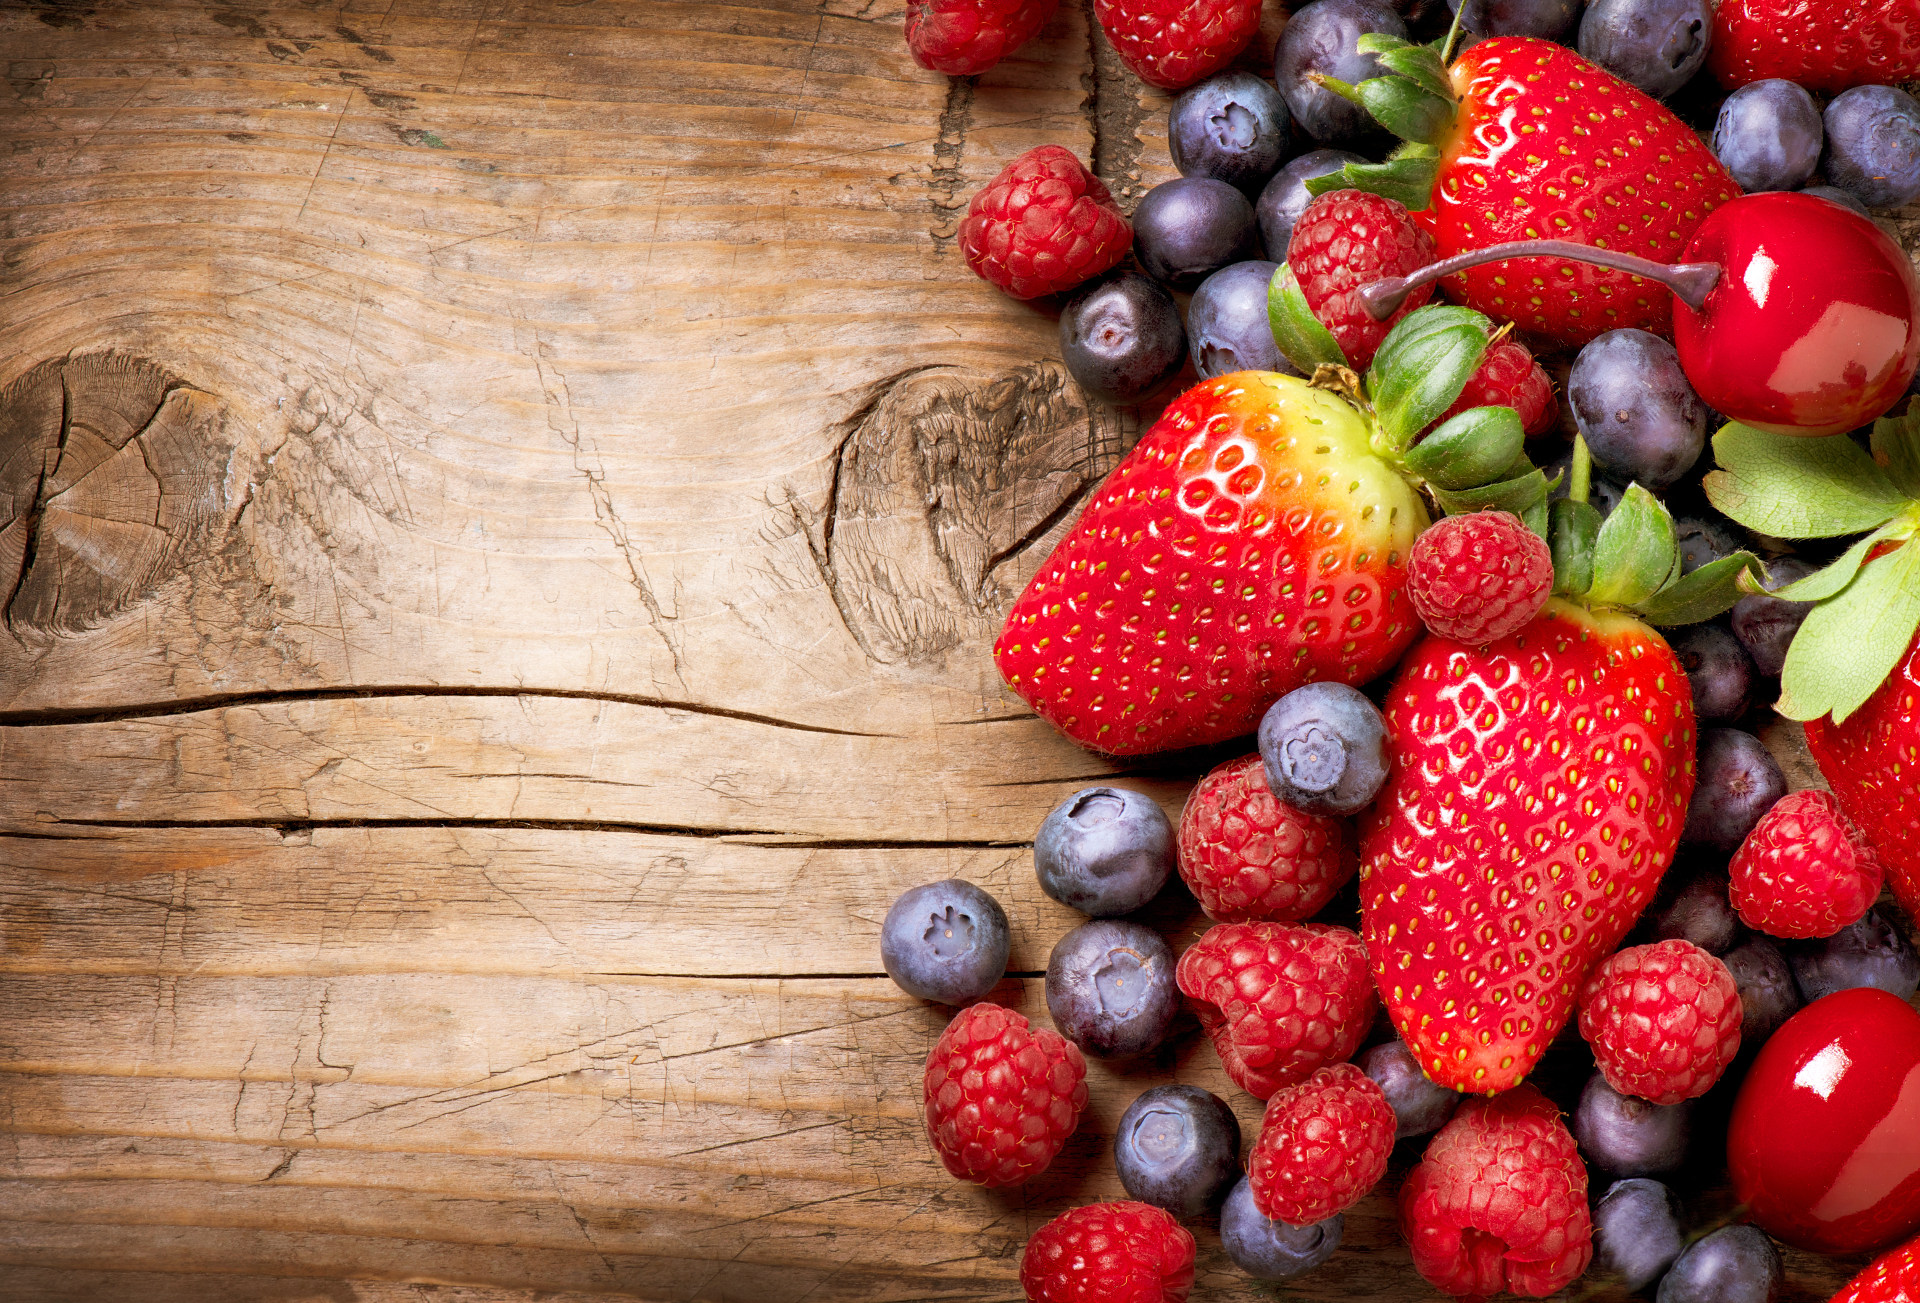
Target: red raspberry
(1663,1020)
(1499,1201)
(1509,377)
(1249,856)
(1806,870)
(1323,1144)
(1278,1000)
(965,37)
(1174,43)
(1043,225)
(1343,241)
(1893,1277)
(1002,1097)
(1119,1252)
(1479,577)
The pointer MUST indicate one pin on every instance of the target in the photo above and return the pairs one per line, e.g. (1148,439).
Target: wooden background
(505,503)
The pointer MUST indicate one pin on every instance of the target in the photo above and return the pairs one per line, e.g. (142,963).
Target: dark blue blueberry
(1121,337)
(1838,196)
(1321,37)
(1768,994)
(1227,324)
(1625,1136)
(1873,145)
(1765,625)
(1719,671)
(1692,906)
(1640,417)
(1869,952)
(1656,45)
(1603,495)
(1233,127)
(1190,227)
(1702,540)
(1110,988)
(1636,1233)
(1270,1250)
(1735,1264)
(1736,782)
(1325,748)
(1544,18)
(1286,197)
(1769,135)
(1178,1148)
(1104,851)
(1419,1106)
(945,941)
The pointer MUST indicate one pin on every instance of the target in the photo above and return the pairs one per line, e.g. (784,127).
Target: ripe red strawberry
(1174,43)
(1248,856)
(1346,240)
(1893,1277)
(1499,1201)
(1118,1252)
(1871,759)
(1278,1001)
(1806,870)
(1480,577)
(965,37)
(1001,1096)
(1509,377)
(1663,1020)
(1324,1142)
(1044,225)
(1822,44)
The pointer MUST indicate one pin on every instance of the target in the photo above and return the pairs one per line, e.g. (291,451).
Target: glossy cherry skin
(1824,1146)
(1814,325)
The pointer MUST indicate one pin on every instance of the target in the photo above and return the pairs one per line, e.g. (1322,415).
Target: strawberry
(1893,1277)
(1822,44)
(1174,43)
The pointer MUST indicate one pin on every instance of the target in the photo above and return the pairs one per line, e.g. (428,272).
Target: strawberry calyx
(1415,101)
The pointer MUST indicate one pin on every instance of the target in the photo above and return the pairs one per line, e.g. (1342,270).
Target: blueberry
(1270,1250)
(1325,748)
(1602,493)
(1873,145)
(1640,417)
(1104,851)
(1718,669)
(1121,337)
(1227,324)
(1636,1233)
(1419,1106)
(1869,952)
(1769,135)
(1190,227)
(1736,783)
(1692,906)
(1838,196)
(1321,37)
(1285,197)
(1764,624)
(1545,18)
(1702,540)
(1232,127)
(945,941)
(1735,1264)
(1110,988)
(1626,1136)
(1178,1148)
(1768,994)
(1656,44)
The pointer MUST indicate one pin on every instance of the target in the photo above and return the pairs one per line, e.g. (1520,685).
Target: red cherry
(1824,1146)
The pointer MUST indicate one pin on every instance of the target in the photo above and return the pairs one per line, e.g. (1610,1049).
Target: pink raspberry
(1345,240)
(1663,1020)
(965,37)
(1045,224)
(1479,577)
(1806,870)
(1509,377)
(1324,1142)
(1247,855)
(1119,1252)
(1001,1096)
(1174,43)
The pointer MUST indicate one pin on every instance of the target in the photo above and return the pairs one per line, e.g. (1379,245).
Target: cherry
(1824,1145)
(1793,314)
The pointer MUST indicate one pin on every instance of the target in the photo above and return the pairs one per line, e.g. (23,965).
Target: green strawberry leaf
(1471,448)
(1830,579)
(1896,450)
(1406,108)
(1525,496)
(1633,553)
(1421,367)
(1851,642)
(1703,594)
(1791,487)
(1306,343)
(1382,43)
(1572,527)
(1419,64)
(1407,177)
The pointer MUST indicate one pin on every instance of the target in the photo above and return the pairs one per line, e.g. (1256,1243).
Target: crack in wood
(741,836)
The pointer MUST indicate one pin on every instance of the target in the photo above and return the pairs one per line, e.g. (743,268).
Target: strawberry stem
(1453,35)
(1690,281)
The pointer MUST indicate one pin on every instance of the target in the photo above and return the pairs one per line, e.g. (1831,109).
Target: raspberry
(1893,1277)
(1249,856)
(965,37)
(1480,577)
(1663,1020)
(1343,241)
(1119,1252)
(1278,1001)
(1174,43)
(1805,870)
(1499,1200)
(1045,224)
(1509,377)
(1323,1144)
(1002,1097)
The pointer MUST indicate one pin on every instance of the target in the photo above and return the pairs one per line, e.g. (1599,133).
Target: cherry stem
(1689,281)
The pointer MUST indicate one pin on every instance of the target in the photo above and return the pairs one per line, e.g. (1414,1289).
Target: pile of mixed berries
(1505,688)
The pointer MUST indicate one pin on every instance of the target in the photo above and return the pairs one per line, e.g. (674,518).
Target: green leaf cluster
(1415,101)
(1632,560)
